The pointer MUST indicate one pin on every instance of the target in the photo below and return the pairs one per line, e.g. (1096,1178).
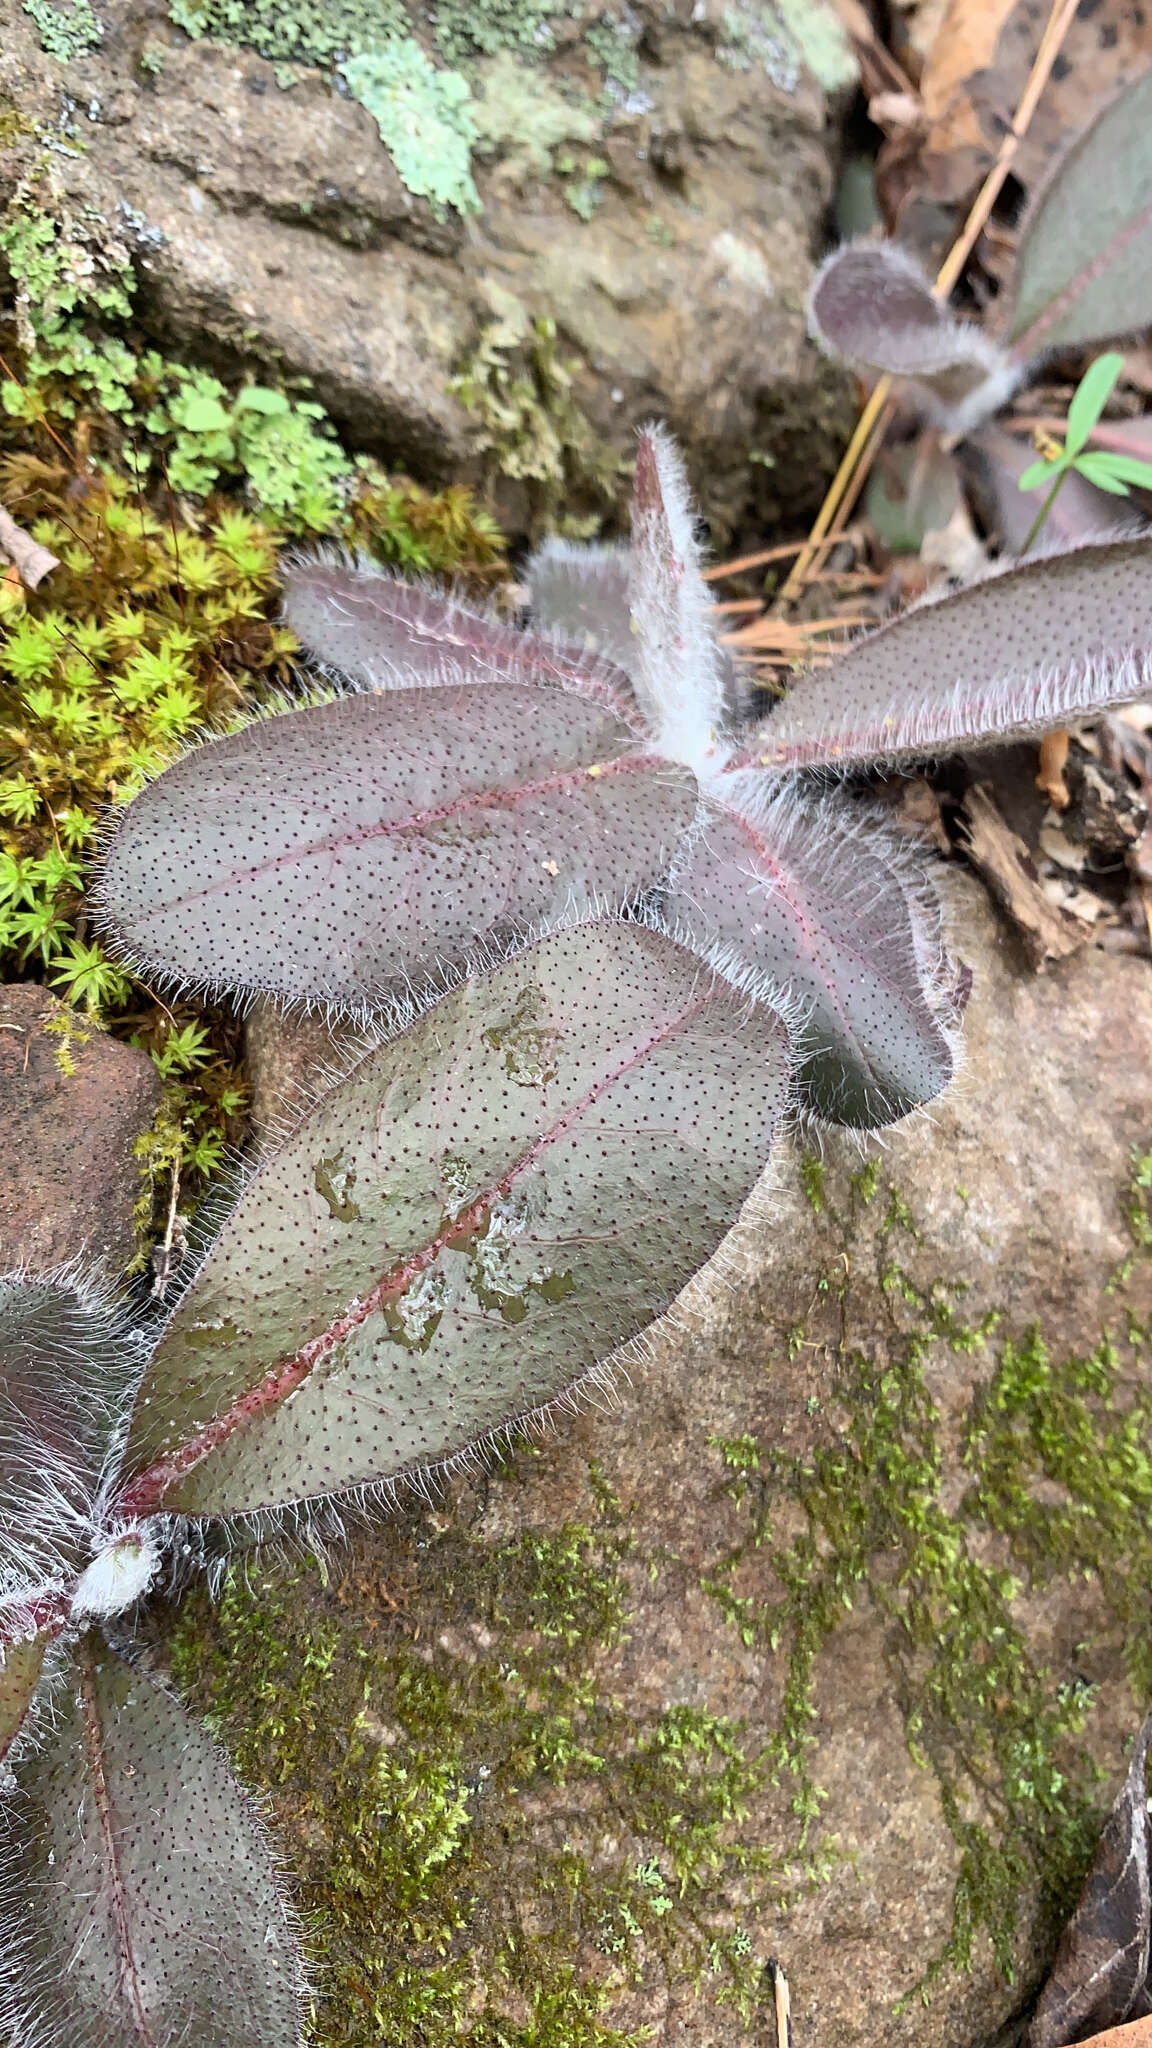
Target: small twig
(862,447)
(162,1256)
(32,562)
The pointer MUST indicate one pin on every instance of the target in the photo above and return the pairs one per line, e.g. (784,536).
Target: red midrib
(93,1737)
(416,821)
(145,1495)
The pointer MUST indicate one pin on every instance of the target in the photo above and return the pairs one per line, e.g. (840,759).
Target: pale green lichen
(67,28)
(521,117)
(785,38)
(425,120)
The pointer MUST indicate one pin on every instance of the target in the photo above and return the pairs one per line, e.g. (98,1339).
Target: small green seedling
(1105,467)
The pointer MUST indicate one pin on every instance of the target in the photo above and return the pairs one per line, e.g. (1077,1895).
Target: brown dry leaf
(970,88)
(1137,2034)
(1001,857)
(1100,1974)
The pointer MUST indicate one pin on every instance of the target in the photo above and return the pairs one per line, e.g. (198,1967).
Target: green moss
(487,1846)
(524,119)
(424,117)
(482,28)
(521,390)
(308,32)
(1058,1468)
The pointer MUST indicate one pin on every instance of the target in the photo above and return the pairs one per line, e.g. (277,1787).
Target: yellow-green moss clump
(167,498)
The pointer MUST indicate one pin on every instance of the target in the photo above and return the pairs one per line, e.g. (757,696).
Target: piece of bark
(33,562)
(1100,1973)
(1001,857)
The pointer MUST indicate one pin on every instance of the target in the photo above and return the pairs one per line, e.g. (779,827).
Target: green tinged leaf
(479,1215)
(138,1901)
(1084,263)
(1124,469)
(1089,399)
(21,1667)
(1039,474)
(1100,469)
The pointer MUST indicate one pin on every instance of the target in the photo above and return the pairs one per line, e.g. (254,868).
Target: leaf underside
(342,852)
(478,1215)
(873,305)
(581,593)
(387,634)
(62,1385)
(1084,262)
(138,1903)
(1048,641)
(833,916)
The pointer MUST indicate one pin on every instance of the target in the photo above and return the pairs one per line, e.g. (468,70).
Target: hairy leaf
(1052,639)
(1101,1966)
(138,1903)
(21,1669)
(1079,511)
(386,634)
(478,1215)
(678,669)
(873,305)
(1084,262)
(833,915)
(581,592)
(66,1374)
(340,852)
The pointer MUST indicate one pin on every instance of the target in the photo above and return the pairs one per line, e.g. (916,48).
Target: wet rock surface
(70,1180)
(270,228)
(1009,1202)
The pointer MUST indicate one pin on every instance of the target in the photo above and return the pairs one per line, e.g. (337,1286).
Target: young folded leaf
(835,917)
(343,852)
(478,1216)
(678,668)
(873,305)
(388,635)
(138,1900)
(67,1373)
(1047,641)
(1083,270)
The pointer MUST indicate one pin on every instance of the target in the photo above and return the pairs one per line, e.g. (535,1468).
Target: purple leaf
(138,1904)
(1078,512)
(1101,1965)
(834,915)
(485,1209)
(67,1372)
(341,852)
(580,592)
(873,306)
(386,634)
(1083,271)
(1048,641)
(678,668)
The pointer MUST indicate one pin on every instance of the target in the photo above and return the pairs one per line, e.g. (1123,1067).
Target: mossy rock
(826,1645)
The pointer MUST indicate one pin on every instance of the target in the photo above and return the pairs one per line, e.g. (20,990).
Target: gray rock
(68,1180)
(270,227)
(1015,1183)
